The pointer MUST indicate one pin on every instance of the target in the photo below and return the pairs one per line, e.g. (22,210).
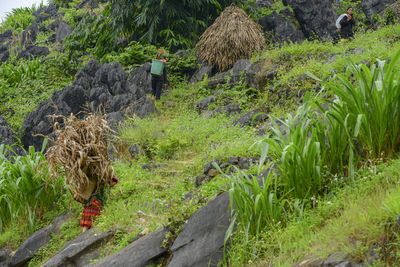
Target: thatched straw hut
(233,36)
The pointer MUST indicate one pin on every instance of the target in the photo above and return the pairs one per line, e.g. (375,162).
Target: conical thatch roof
(233,36)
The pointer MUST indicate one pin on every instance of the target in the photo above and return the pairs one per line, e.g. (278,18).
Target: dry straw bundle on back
(80,149)
(233,36)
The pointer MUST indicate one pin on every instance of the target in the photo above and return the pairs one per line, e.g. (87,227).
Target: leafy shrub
(254,204)
(137,54)
(13,74)
(23,190)
(134,54)
(18,19)
(369,108)
(298,149)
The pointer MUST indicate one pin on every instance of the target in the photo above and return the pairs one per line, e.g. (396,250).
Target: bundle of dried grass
(233,36)
(80,151)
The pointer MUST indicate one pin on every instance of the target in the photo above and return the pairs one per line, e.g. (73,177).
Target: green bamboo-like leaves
(369,107)
(23,191)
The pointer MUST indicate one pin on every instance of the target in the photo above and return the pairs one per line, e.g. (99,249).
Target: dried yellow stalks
(80,150)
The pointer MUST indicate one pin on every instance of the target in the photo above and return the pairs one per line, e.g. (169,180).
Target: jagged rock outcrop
(29,35)
(8,138)
(34,51)
(371,7)
(63,31)
(97,86)
(46,12)
(283,30)
(88,3)
(81,250)
(4,53)
(264,3)
(5,36)
(316,17)
(140,80)
(38,240)
(254,74)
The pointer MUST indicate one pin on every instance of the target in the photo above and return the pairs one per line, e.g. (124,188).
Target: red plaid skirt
(90,212)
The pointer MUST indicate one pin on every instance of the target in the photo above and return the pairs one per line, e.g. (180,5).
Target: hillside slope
(213,137)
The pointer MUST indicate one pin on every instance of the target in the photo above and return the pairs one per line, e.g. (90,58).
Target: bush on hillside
(18,19)
(24,194)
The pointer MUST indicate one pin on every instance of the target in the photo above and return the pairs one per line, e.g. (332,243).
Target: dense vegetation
(333,137)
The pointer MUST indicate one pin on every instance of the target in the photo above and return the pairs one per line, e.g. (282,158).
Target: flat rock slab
(142,252)
(201,242)
(81,250)
(38,240)
(4,257)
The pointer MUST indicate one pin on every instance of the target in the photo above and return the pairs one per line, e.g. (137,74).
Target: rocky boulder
(228,110)
(283,30)
(254,74)
(210,171)
(202,105)
(4,53)
(145,251)
(81,250)
(63,31)
(9,138)
(5,255)
(140,79)
(316,17)
(201,72)
(95,86)
(88,3)
(33,51)
(251,118)
(263,3)
(38,240)
(371,7)
(5,36)
(29,35)
(46,12)
(201,241)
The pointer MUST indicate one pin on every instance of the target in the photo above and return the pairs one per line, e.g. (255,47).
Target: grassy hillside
(350,207)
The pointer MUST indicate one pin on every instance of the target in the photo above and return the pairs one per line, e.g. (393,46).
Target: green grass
(354,219)
(182,142)
(26,84)
(24,195)
(18,19)
(295,60)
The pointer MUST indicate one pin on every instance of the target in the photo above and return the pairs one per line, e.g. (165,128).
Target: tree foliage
(168,23)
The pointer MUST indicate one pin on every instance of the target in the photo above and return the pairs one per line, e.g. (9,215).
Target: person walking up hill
(158,74)
(347,23)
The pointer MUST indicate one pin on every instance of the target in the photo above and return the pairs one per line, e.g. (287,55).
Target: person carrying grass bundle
(158,74)
(92,208)
(80,151)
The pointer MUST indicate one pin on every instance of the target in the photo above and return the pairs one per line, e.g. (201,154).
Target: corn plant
(297,147)
(23,191)
(254,202)
(13,74)
(368,108)
(18,19)
(336,143)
